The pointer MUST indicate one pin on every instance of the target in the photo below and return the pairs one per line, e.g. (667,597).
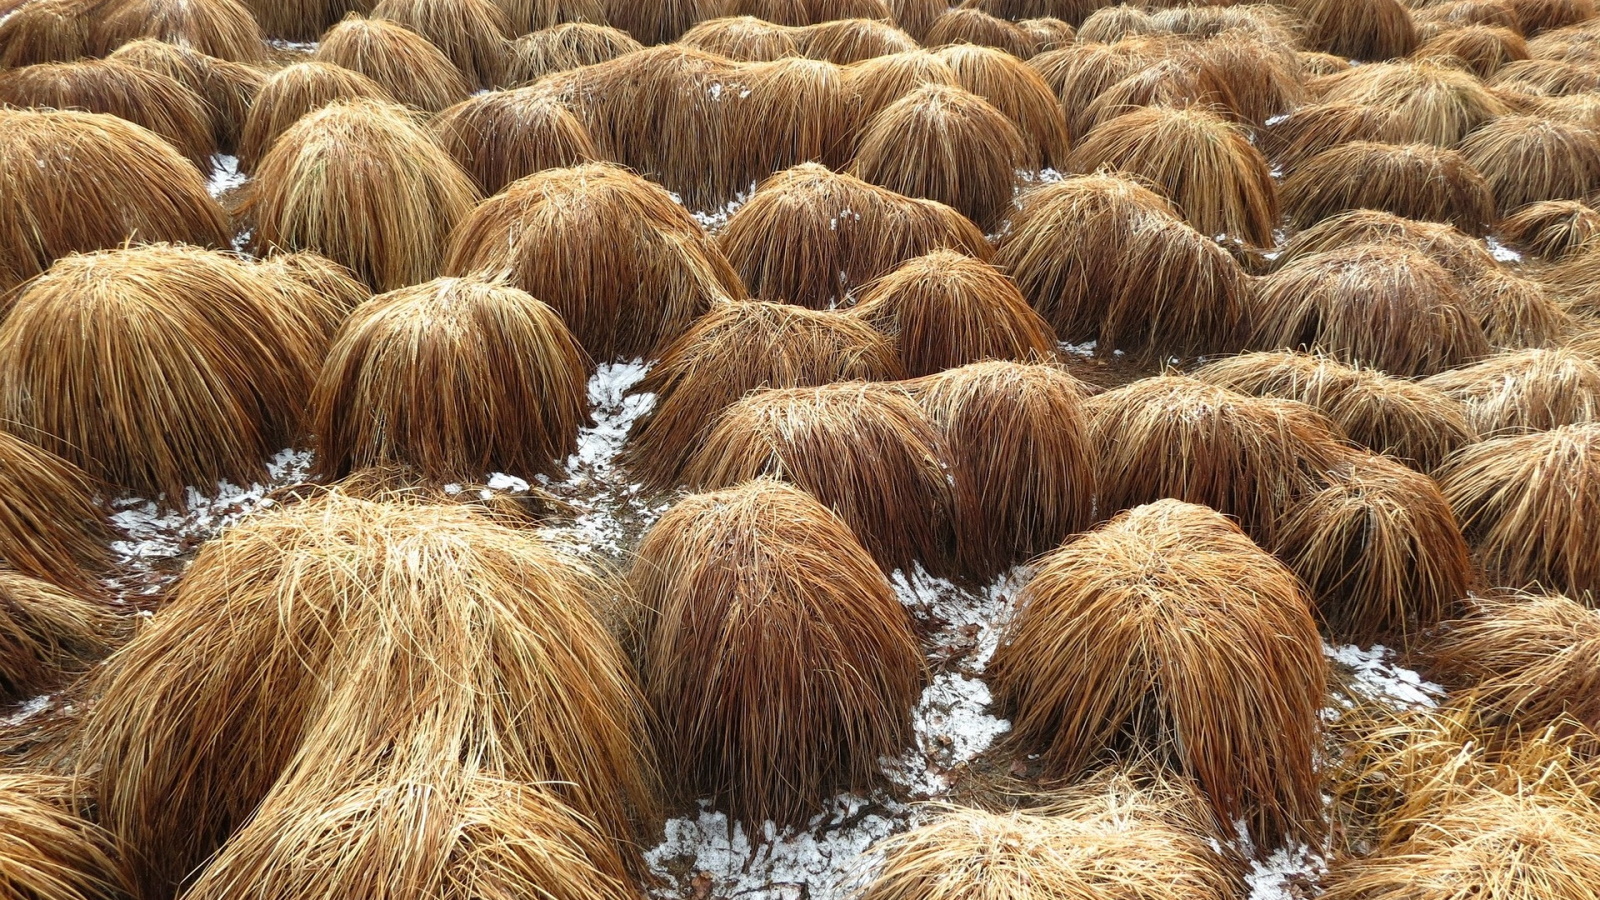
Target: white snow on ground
(295,46)
(27,710)
(1502,252)
(225,175)
(1376,675)
(714,220)
(1274,877)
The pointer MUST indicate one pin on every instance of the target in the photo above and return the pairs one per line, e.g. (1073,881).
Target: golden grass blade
(472,34)
(224,29)
(52,525)
(407,65)
(228,89)
(48,635)
(561,47)
(502,136)
(1415,181)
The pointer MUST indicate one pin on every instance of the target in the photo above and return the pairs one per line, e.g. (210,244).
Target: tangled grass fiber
(561,47)
(660,22)
(52,527)
(47,850)
(744,39)
(503,136)
(291,93)
(1304,133)
(1432,103)
(967,25)
(1462,256)
(227,89)
(1080,73)
(224,29)
(1575,281)
(1369,30)
(1552,230)
(779,662)
(1484,49)
(1414,181)
(846,41)
(47,635)
(1175,78)
(875,84)
(303,20)
(793,114)
(1535,16)
(1019,92)
(338,290)
(472,34)
(1517,312)
(1527,159)
(45,31)
(1527,390)
(407,65)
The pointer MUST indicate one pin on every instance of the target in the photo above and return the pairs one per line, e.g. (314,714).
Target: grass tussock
(455,378)
(1536,16)
(1460,255)
(1020,93)
(1261,72)
(626,267)
(779,662)
(224,29)
(338,290)
(1575,281)
(1110,24)
(472,34)
(1439,17)
(1079,74)
(1074,11)
(1368,30)
(1048,32)
(966,25)
(793,115)
(228,89)
(1314,128)
(1546,78)
(660,22)
(291,93)
(1415,181)
(735,349)
(50,851)
(814,237)
(865,450)
(1517,312)
(1551,230)
(1527,390)
(502,136)
(526,16)
(361,183)
(1416,423)
(339,640)
(1207,166)
(1433,103)
(1019,453)
(52,527)
(407,65)
(877,83)
(47,635)
(1104,259)
(1168,632)
(160,367)
(915,17)
(45,31)
(561,47)
(303,20)
(846,41)
(1527,159)
(1483,49)
(743,39)
(1528,504)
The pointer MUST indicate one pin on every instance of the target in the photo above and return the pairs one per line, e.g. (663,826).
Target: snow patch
(1375,675)
(27,711)
(1501,252)
(1276,877)
(225,175)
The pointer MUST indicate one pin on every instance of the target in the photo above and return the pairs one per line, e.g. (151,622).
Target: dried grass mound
(1048,33)
(1379,550)
(1370,30)
(1439,17)
(1103,259)
(47,635)
(1262,73)
(1527,159)
(946,309)
(1528,390)
(224,29)
(44,31)
(743,38)
(1314,128)
(1314,63)
(1435,104)
(813,237)
(51,526)
(793,115)
(847,41)
(866,450)
(1553,229)
(150,99)
(1168,632)
(455,378)
(407,65)
(1576,281)
(228,89)
(526,16)
(340,292)
(362,184)
(625,266)
(1535,16)
(338,638)
(502,136)
(1529,505)
(879,82)
(568,46)
(1172,81)
(159,367)
(779,662)
(738,348)
(1574,43)
(50,851)
(915,17)
(1546,78)
(1484,49)
(1073,11)
(472,34)
(1110,24)
(1517,312)
(1460,255)
(289,94)
(303,20)
(1018,91)
(1207,166)
(660,21)
(1416,181)
(948,145)
(808,12)
(1019,452)
(1415,423)
(965,25)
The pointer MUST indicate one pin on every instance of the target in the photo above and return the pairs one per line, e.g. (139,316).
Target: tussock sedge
(503,136)
(1575,281)
(291,93)
(1432,103)
(566,46)
(1414,181)
(846,41)
(967,25)
(526,16)
(744,39)
(228,89)
(1459,254)
(1171,81)
(48,635)
(1369,30)
(1316,64)
(1535,16)
(472,34)
(1552,230)
(877,83)
(1517,312)
(660,22)
(1110,24)
(792,116)
(303,20)
(1434,18)
(1082,72)
(409,67)
(1020,93)
(50,852)
(45,31)
(1048,32)
(1483,49)
(778,660)
(1262,74)
(338,291)
(52,527)
(1546,77)
(224,29)
(1073,11)
(1527,159)
(1304,133)
(915,17)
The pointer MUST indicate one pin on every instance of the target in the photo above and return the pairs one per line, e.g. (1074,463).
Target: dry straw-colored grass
(1207,166)
(807,12)
(1048,33)
(1379,550)
(472,34)
(1316,64)
(363,184)
(1460,255)
(626,267)
(455,378)
(737,348)
(1529,505)
(878,82)
(1546,78)
(228,89)
(1104,259)
(1262,73)
(846,41)
(1527,159)
(1416,181)
(1110,24)
(526,16)
(796,112)
(1483,49)
(743,39)
(224,29)
(946,309)
(303,20)
(948,145)
(407,65)
(1018,91)
(1432,103)
(1311,129)
(149,99)
(1023,468)
(1552,230)
(1535,16)
(1173,80)
(340,638)
(660,21)
(1074,11)
(864,449)
(1528,390)
(1575,281)
(291,93)
(568,46)
(779,662)
(915,17)
(503,136)
(1574,43)
(1168,632)
(1369,30)
(1415,423)
(814,237)
(1082,72)
(1435,18)
(45,31)
(52,527)
(338,290)
(47,635)
(1517,312)
(50,852)
(966,25)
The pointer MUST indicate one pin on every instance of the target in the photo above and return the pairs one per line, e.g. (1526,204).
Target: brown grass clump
(1529,504)
(1527,159)
(1459,254)
(1073,11)
(793,115)
(1173,81)
(1106,260)
(51,525)
(1300,135)
(338,639)
(44,31)
(408,67)
(156,368)
(1483,48)
(50,851)
(879,82)
(1079,74)
(866,450)
(1547,78)
(743,38)
(660,21)
(966,25)
(1434,104)
(1534,16)
(47,635)
(1168,632)
(1370,30)
(303,20)
(1263,76)
(738,348)
(1023,468)
(472,34)
(808,12)
(340,292)
(1517,312)
(846,41)
(1440,17)
(1415,423)
(625,266)
(1574,43)
(1575,281)
(1048,33)
(1110,24)
(946,309)
(228,89)
(455,378)
(526,16)
(1416,181)
(779,662)
(915,17)
(813,237)
(223,29)
(362,184)
(1552,230)
(1315,64)
(1528,390)
(535,55)
(150,99)
(289,94)
(502,136)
